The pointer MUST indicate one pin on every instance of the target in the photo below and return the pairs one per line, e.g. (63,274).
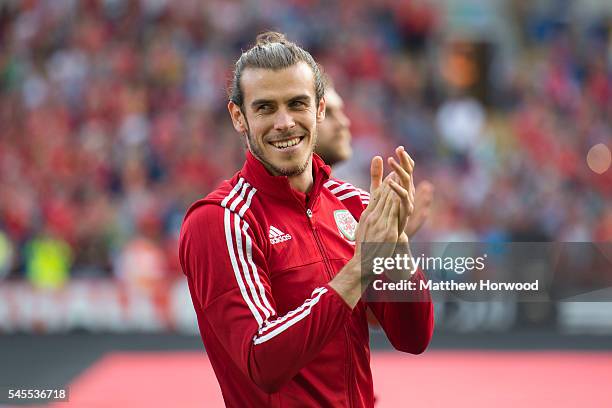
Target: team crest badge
(346,224)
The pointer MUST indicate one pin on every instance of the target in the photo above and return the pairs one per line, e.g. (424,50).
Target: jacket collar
(278,186)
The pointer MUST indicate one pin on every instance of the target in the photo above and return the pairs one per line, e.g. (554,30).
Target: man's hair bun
(270,37)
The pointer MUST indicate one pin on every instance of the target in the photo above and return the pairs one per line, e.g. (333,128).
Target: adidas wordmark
(276,236)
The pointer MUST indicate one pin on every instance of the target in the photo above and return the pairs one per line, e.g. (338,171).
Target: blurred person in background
(6,255)
(48,260)
(273,256)
(141,264)
(334,134)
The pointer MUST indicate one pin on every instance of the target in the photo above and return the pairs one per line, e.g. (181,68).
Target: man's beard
(330,156)
(279,171)
(336,150)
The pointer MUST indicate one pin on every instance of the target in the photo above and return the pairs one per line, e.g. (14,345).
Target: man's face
(279,116)
(334,136)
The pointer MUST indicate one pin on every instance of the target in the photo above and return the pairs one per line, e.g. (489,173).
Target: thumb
(376,173)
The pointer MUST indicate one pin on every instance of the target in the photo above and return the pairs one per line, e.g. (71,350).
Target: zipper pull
(309,213)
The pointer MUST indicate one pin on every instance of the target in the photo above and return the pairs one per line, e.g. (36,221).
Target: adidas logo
(276,236)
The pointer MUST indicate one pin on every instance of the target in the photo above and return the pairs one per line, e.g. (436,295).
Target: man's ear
(238,120)
(321,110)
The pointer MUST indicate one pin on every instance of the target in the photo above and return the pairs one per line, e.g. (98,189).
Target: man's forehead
(332,99)
(285,83)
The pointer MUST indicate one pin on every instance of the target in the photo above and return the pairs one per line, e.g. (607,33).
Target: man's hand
(403,184)
(418,203)
(379,224)
(422,207)
(379,221)
(385,221)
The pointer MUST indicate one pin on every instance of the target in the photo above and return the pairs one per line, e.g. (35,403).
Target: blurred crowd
(113,119)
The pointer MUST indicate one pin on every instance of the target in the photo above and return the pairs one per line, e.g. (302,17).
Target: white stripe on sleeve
(245,268)
(231,193)
(291,318)
(249,250)
(233,235)
(330,183)
(229,239)
(240,197)
(343,187)
(348,195)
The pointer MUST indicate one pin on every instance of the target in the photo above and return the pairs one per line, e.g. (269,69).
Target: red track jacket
(258,256)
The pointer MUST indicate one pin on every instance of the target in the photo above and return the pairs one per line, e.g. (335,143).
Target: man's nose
(283,121)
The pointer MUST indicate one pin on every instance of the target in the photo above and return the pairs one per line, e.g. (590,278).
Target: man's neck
(303,182)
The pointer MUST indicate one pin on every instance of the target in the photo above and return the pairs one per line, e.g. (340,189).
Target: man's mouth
(284,144)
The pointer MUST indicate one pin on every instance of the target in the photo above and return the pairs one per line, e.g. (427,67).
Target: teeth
(286,143)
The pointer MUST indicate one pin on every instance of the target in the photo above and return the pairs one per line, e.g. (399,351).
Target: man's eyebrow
(257,102)
(300,98)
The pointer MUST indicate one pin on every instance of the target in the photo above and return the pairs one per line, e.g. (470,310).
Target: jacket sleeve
(408,324)
(226,265)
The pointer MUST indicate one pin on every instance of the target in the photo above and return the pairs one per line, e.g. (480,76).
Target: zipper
(349,375)
(328,269)
(319,242)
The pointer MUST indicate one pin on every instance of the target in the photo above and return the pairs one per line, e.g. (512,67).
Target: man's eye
(263,108)
(297,104)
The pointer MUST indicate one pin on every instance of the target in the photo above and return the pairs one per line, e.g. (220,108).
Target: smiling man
(272,257)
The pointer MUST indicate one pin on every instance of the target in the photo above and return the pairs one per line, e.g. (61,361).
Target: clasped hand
(392,200)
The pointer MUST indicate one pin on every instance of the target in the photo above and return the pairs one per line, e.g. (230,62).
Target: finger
(404,193)
(404,197)
(376,173)
(399,190)
(425,192)
(406,181)
(394,212)
(416,221)
(386,210)
(422,207)
(405,159)
(391,176)
(375,200)
(424,195)
(402,174)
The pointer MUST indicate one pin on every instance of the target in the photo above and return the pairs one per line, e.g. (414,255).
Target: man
(272,257)
(334,147)
(333,134)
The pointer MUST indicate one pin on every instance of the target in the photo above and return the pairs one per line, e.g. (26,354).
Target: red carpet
(436,379)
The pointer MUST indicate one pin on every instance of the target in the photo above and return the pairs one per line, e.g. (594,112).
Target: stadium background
(113,119)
